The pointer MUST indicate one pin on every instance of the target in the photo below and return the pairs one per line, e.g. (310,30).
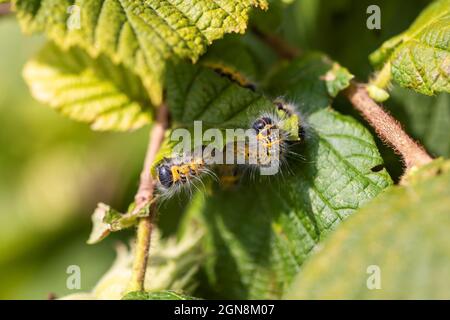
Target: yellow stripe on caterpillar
(179,172)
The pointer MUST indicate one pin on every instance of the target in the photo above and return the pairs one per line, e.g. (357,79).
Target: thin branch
(142,249)
(387,128)
(146,185)
(143,198)
(281,47)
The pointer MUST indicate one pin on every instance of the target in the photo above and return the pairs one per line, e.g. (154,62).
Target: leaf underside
(161,295)
(96,91)
(197,93)
(142,35)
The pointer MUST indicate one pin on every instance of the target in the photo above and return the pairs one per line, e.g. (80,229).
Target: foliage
(172,267)
(337,79)
(419,58)
(256,239)
(96,91)
(141,35)
(256,251)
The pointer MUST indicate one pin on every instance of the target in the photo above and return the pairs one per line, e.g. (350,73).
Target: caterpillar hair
(271,138)
(290,109)
(272,135)
(181,173)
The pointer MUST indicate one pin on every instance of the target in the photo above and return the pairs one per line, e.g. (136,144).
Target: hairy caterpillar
(229,176)
(274,138)
(275,134)
(290,109)
(267,148)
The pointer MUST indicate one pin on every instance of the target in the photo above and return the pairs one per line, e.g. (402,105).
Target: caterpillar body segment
(290,109)
(265,145)
(181,172)
(276,135)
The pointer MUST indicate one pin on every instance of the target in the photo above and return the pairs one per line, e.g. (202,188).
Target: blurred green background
(53,171)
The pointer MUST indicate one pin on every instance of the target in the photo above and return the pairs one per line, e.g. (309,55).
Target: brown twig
(281,47)
(387,128)
(143,198)
(146,185)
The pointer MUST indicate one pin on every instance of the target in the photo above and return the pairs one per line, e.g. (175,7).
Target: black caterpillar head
(165,176)
(262,123)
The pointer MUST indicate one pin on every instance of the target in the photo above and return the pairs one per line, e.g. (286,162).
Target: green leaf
(96,91)
(141,34)
(100,229)
(403,233)
(162,295)
(117,221)
(106,220)
(435,168)
(302,81)
(420,56)
(261,232)
(197,93)
(337,79)
(174,264)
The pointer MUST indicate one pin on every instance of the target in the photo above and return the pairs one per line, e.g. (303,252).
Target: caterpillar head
(182,172)
(262,124)
(164,175)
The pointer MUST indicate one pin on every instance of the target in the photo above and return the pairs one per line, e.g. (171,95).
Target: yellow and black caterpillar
(271,146)
(180,172)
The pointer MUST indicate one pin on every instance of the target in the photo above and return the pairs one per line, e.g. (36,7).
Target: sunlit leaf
(337,79)
(96,91)
(397,247)
(420,56)
(141,34)
(261,232)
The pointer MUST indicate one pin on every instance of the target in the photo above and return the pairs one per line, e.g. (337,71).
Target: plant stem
(143,197)
(143,239)
(387,128)
(281,47)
